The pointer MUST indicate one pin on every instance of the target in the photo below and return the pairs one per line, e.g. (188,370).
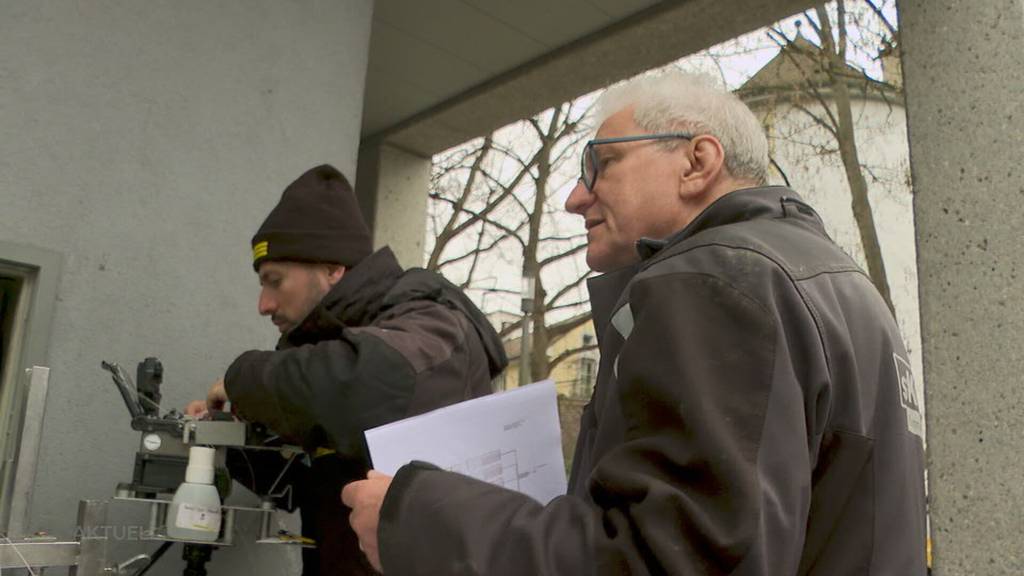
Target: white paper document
(511,439)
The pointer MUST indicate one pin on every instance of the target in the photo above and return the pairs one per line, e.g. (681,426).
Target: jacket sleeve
(328,393)
(706,481)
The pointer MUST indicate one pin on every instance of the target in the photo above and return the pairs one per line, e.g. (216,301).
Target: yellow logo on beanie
(259,250)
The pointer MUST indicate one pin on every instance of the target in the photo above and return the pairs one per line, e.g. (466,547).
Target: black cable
(156,556)
(252,471)
(281,475)
(779,168)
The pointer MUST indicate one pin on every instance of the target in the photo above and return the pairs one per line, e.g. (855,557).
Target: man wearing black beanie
(363,343)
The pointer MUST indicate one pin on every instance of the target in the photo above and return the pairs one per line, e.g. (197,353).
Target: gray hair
(676,101)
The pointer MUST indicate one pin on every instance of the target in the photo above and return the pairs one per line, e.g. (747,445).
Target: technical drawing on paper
(499,467)
(511,440)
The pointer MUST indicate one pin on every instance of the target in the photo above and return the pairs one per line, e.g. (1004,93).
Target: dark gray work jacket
(383,344)
(754,415)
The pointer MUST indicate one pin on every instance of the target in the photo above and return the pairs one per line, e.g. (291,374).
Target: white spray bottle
(194,513)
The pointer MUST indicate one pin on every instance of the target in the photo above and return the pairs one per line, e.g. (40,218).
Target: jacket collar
(604,292)
(738,206)
(354,301)
(357,298)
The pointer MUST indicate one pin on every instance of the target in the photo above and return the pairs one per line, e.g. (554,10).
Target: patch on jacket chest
(622,320)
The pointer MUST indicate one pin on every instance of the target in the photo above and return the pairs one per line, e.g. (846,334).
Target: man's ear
(334,273)
(706,164)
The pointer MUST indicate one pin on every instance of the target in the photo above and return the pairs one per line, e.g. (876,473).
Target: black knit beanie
(317,220)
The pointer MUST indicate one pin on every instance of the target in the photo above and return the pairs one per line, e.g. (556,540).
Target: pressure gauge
(151,442)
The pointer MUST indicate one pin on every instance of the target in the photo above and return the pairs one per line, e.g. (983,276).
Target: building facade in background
(574,376)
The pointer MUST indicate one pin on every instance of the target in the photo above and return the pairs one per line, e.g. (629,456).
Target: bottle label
(195,517)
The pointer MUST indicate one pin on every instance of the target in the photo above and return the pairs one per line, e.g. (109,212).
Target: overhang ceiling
(424,52)
(444,71)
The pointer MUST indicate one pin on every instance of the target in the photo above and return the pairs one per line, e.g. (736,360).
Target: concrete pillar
(964,79)
(392,186)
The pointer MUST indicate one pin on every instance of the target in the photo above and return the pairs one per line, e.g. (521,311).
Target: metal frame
(88,555)
(157,529)
(28,453)
(37,554)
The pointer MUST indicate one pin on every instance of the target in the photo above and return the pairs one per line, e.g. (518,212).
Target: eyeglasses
(590,164)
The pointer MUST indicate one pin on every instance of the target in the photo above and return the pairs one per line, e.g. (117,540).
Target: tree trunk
(539,358)
(860,203)
(845,137)
(540,364)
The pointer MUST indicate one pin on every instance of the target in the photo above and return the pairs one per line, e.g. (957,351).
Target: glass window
(586,377)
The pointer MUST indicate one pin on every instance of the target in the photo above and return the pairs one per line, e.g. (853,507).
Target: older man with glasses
(754,412)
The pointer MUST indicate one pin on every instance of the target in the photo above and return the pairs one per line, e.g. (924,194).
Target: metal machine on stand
(160,468)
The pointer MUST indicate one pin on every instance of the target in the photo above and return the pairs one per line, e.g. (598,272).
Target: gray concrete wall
(393,187)
(145,142)
(964,79)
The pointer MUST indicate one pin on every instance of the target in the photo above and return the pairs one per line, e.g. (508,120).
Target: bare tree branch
(814,25)
(572,127)
(535,124)
(569,147)
(476,255)
(562,328)
(788,47)
(480,248)
(576,304)
(816,119)
(510,154)
(511,208)
(841,19)
(565,238)
(506,291)
(567,354)
(893,32)
(568,288)
(505,193)
(448,232)
(509,232)
(718,65)
(511,327)
(570,252)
